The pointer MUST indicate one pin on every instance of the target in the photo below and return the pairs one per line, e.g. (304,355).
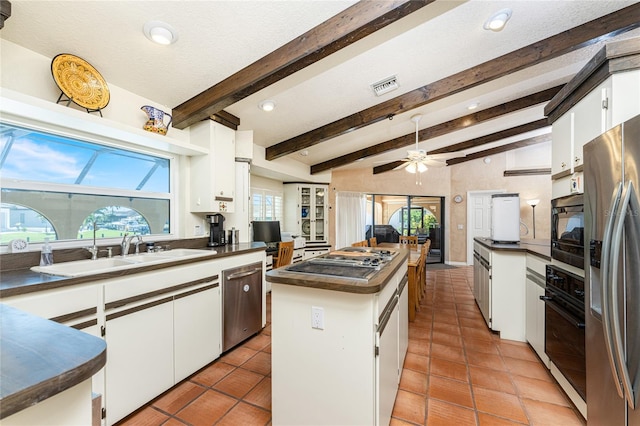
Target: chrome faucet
(93,249)
(138,242)
(126,243)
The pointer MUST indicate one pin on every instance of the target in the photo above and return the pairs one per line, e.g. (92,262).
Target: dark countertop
(540,248)
(374,285)
(25,281)
(41,358)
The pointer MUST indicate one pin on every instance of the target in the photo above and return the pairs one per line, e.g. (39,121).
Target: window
(57,187)
(22,222)
(266,205)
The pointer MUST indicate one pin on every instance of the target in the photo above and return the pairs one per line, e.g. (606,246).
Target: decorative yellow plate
(80,82)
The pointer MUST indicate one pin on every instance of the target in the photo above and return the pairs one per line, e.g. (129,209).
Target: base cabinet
(139,358)
(499,289)
(346,373)
(534,307)
(482,280)
(197,337)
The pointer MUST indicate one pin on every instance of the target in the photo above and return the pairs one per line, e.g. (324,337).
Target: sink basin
(84,267)
(91,267)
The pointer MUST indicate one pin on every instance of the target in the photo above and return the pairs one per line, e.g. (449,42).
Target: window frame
(109,141)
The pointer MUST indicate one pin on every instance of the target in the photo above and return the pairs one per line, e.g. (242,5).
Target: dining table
(413,272)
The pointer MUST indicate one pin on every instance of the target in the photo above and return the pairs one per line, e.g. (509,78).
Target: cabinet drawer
(536,264)
(63,305)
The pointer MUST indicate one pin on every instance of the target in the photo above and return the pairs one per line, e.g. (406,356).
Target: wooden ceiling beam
(338,32)
(508,147)
(583,35)
(439,129)
(493,137)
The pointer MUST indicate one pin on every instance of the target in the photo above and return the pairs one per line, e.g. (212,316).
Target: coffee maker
(216,230)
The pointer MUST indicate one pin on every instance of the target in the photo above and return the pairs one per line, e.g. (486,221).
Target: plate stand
(65,98)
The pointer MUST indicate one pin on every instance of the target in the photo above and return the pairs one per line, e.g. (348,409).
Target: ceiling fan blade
(402,166)
(429,162)
(447,155)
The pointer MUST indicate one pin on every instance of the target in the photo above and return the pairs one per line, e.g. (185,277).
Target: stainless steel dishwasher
(241,304)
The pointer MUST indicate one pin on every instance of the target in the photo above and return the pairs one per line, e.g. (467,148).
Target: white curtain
(350,218)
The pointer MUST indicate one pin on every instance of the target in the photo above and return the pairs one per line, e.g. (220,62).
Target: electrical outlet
(317,318)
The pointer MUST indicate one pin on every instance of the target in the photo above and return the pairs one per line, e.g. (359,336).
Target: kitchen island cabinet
(500,274)
(338,346)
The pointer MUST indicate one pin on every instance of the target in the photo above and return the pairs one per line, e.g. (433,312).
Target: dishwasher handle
(238,275)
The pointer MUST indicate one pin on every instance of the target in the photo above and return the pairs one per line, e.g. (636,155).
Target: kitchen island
(338,344)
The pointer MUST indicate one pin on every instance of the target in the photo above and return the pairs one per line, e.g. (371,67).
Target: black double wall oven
(565,325)
(564,293)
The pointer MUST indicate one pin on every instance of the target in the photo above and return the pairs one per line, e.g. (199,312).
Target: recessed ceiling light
(498,20)
(160,32)
(267,105)
(304,153)
(473,106)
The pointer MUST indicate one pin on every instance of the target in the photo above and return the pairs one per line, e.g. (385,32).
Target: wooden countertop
(540,248)
(25,281)
(41,358)
(347,285)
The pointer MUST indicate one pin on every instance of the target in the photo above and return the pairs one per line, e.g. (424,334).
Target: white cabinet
(197,331)
(212,177)
(306,211)
(500,289)
(482,280)
(160,327)
(298,255)
(612,102)
(139,357)
(534,306)
(348,372)
(311,252)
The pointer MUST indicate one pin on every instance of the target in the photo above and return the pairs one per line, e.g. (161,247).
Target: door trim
(470,196)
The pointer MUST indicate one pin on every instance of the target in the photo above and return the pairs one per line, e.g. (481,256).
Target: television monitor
(267,231)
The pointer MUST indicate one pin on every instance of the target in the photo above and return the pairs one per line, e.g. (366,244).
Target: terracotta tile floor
(456,372)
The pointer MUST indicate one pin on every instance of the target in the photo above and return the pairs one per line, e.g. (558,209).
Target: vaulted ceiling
(318,59)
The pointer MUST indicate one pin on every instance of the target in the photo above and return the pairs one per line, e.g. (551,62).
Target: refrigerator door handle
(615,309)
(605,289)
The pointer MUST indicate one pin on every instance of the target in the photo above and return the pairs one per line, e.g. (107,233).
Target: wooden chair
(373,242)
(410,240)
(363,243)
(424,254)
(420,281)
(285,254)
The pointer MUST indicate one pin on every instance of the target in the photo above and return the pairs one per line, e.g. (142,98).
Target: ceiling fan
(417,160)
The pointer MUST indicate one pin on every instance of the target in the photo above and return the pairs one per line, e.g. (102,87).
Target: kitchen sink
(91,267)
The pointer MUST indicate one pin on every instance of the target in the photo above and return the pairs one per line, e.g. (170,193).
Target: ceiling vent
(387,85)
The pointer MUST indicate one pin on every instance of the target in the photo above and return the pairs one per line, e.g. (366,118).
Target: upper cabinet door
(213,182)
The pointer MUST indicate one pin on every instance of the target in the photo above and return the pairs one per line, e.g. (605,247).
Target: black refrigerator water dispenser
(216,230)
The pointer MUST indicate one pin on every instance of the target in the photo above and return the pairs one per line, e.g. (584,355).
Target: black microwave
(567,230)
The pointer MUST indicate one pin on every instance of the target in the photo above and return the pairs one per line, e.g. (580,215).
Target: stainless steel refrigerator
(612,275)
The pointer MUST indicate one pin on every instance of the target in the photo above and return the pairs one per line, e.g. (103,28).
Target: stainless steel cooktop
(350,262)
